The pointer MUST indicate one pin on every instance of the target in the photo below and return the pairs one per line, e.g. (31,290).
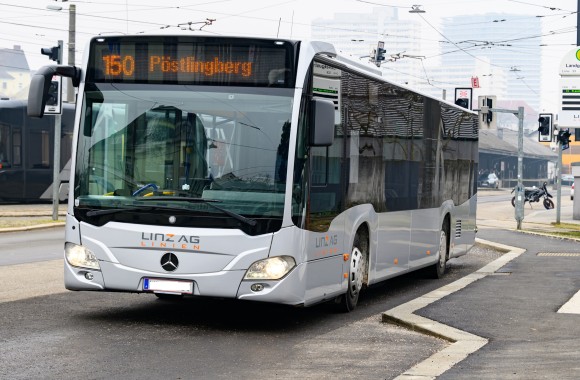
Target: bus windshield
(227,145)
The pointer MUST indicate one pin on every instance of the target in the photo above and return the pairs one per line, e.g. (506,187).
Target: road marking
(29,280)
(463,343)
(572,306)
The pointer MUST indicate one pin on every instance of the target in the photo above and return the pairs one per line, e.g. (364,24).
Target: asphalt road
(48,332)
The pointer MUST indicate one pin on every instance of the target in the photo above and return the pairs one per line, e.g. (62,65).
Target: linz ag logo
(326,245)
(170,241)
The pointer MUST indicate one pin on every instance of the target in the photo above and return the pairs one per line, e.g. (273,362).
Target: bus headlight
(272,268)
(79,256)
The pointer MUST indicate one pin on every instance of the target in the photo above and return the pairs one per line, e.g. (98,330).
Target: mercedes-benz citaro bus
(257,169)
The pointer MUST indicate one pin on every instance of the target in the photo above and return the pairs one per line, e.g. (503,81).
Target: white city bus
(258,169)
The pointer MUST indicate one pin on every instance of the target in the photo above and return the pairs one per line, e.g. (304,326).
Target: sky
(32,26)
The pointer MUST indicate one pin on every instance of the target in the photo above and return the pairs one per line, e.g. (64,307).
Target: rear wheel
(439,268)
(356,274)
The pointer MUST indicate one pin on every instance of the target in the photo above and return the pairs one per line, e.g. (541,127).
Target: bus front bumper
(226,284)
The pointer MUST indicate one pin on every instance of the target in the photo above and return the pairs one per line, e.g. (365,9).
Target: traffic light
(545,127)
(564,138)
(462,102)
(54,53)
(379,53)
(463,97)
(489,113)
(487,120)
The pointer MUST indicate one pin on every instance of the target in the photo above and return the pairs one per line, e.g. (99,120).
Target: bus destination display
(191,62)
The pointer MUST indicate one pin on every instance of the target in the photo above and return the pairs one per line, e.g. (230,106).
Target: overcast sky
(32,26)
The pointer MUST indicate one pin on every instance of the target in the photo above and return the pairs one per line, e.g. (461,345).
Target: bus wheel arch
(358,268)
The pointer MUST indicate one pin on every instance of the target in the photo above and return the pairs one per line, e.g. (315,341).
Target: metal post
(56,167)
(70,93)
(520,188)
(558,183)
(56,153)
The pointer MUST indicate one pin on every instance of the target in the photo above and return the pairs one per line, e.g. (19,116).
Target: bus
(27,153)
(257,169)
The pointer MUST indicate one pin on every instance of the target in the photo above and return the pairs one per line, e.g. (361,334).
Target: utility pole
(70,93)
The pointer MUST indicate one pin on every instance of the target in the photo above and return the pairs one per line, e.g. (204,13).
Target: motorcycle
(534,194)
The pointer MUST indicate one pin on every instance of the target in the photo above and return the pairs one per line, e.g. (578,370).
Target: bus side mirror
(321,122)
(40,85)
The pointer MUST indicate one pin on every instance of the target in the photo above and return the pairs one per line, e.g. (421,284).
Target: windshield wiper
(209,202)
(132,208)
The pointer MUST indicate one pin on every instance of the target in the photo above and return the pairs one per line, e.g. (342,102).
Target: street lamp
(72,11)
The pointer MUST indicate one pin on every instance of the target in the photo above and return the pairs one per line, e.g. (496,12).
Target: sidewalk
(24,217)
(501,214)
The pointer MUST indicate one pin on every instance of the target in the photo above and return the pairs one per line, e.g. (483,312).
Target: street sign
(569,115)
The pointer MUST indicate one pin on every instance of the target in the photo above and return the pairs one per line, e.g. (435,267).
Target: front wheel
(548,204)
(356,274)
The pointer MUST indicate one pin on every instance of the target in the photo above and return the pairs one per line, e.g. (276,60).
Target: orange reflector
(345,256)
(396,261)
(345,275)
(428,252)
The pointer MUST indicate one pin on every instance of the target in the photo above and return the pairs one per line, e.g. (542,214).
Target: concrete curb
(463,343)
(31,228)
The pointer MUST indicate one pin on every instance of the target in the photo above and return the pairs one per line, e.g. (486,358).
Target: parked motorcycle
(534,194)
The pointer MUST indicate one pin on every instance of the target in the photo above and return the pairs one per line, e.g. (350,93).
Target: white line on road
(463,343)
(572,306)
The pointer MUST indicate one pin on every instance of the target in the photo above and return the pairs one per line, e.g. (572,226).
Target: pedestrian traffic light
(545,127)
(54,53)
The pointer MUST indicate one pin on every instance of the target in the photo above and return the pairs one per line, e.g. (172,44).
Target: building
(356,34)
(14,74)
(497,52)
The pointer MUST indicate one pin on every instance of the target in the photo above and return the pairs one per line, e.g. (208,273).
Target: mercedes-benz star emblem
(169,262)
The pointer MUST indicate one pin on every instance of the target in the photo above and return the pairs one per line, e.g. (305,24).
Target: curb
(31,228)
(462,343)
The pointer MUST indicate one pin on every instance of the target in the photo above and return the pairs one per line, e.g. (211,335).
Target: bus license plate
(158,285)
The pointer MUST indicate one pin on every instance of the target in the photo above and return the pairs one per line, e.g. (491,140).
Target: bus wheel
(438,269)
(356,274)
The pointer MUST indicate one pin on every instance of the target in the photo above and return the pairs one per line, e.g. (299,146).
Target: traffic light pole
(56,154)
(559,184)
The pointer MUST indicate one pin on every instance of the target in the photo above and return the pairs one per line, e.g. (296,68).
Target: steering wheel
(145,187)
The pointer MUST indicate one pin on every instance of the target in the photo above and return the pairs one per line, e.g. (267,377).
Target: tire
(514,201)
(548,204)
(356,274)
(438,269)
